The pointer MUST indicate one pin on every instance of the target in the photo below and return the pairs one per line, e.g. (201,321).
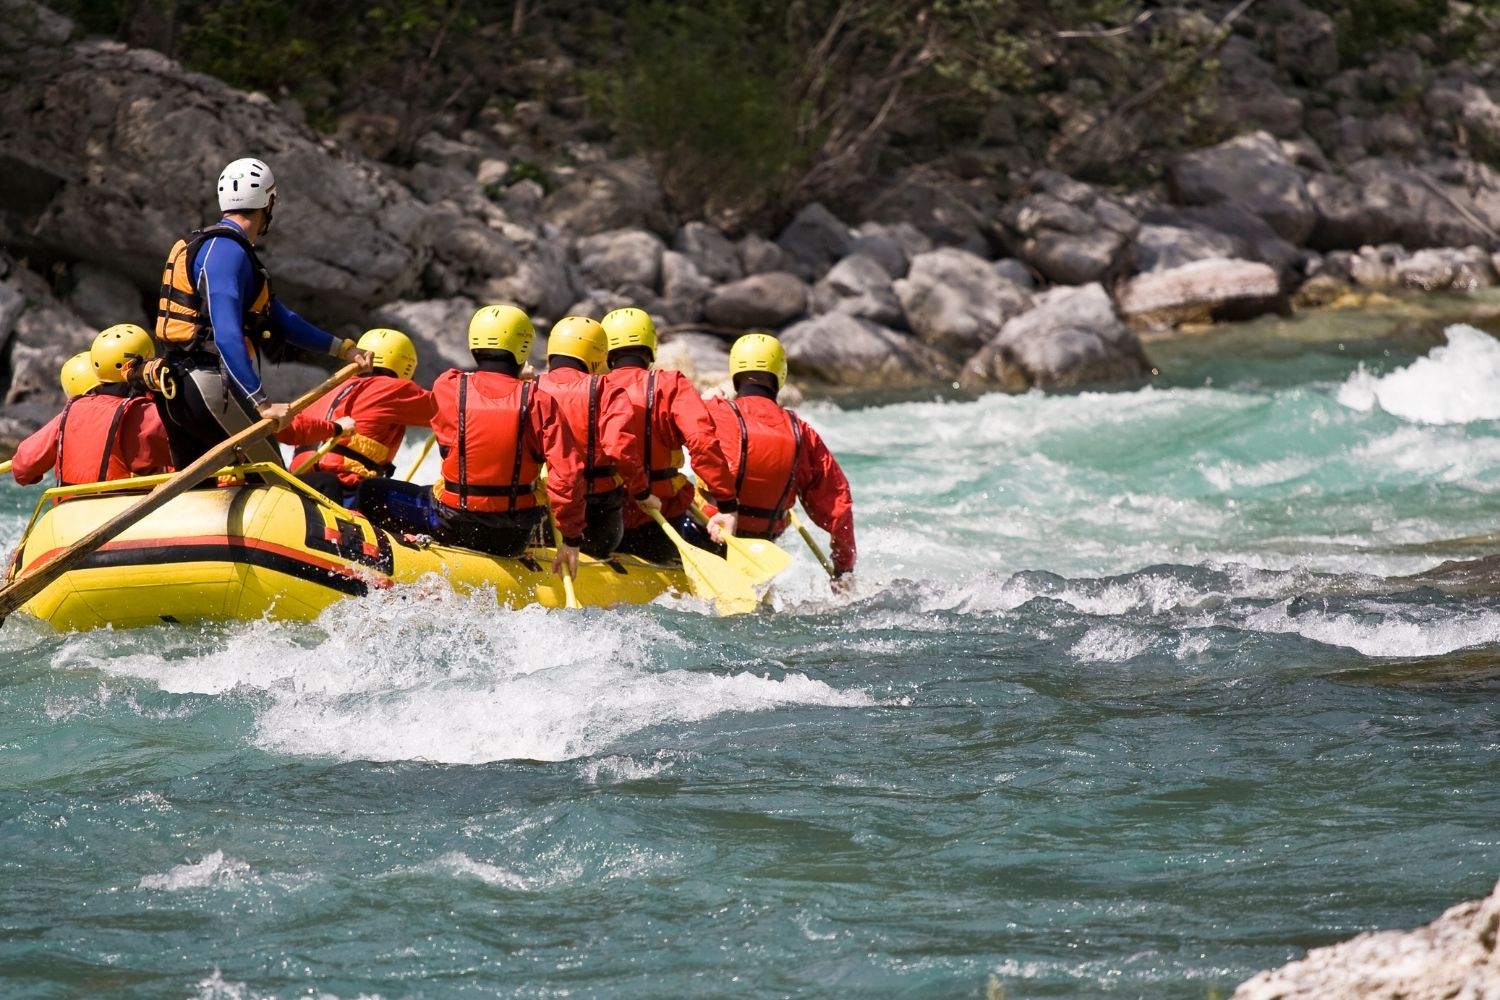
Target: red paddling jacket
(671,414)
(382,406)
(600,418)
(104,434)
(777,458)
(494,431)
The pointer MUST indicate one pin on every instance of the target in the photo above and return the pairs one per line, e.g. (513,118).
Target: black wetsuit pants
(407,507)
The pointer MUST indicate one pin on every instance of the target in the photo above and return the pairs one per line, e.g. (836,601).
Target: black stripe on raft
(219,552)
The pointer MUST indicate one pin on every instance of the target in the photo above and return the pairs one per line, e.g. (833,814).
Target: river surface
(1127,703)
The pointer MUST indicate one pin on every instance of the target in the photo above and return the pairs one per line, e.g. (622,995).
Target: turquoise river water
(1129,701)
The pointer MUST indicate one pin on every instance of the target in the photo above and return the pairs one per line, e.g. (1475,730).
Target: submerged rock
(1455,956)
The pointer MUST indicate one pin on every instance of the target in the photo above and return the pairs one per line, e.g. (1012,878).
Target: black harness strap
(109,440)
(739,480)
(783,504)
(463,442)
(515,472)
(62,427)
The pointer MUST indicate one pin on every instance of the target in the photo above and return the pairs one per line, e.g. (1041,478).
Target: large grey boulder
(1253,171)
(1068,231)
(1454,956)
(1160,248)
(683,288)
(1201,291)
(1250,235)
(948,210)
(110,153)
(466,253)
(761,300)
(711,252)
(1072,336)
(104,298)
(955,301)
(439,328)
(1383,200)
(840,350)
(621,257)
(616,194)
(814,240)
(859,286)
(759,255)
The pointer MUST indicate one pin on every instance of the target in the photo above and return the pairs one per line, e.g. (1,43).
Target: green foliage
(1368,27)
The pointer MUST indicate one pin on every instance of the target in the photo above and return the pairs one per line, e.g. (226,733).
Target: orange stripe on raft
(352,572)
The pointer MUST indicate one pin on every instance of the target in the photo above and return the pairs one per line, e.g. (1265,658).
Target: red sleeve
(37,454)
(305,429)
(401,401)
(549,436)
(693,422)
(824,490)
(621,443)
(145,441)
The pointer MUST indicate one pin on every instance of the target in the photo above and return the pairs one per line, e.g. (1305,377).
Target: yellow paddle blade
(760,561)
(710,577)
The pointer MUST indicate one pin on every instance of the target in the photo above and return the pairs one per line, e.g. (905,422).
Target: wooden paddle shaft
(26,587)
(5,466)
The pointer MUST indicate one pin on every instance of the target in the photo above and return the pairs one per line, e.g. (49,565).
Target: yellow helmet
(630,328)
(117,345)
(78,375)
(393,351)
(502,328)
(582,338)
(758,352)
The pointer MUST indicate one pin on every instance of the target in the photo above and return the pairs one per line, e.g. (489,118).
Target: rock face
(1073,336)
(956,300)
(859,286)
(814,240)
(439,328)
(37,334)
(1386,201)
(620,258)
(1201,291)
(1253,171)
(837,349)
(344,234)
(622,194)
(1455,956)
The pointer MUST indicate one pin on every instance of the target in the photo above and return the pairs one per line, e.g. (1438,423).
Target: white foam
(1384,631)
(460,864)
(1455,384)
(212,869)
(432,675)
(1110,644)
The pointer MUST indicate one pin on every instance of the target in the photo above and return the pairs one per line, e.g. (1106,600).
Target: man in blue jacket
(216,316)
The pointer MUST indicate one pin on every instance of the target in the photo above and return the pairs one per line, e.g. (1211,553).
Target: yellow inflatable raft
(279,550)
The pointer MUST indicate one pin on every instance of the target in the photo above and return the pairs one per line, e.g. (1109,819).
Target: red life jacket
(88,439)
(663,462)
(579,404)
(487,467)
(766,474)
(358,455)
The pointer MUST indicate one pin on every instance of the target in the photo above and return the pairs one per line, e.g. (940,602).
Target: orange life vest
(182,320)
(488,467)
(88,439)
(579,404)
(663,464)
(766,479)
(362,456)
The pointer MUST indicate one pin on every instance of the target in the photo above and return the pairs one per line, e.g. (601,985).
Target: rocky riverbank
(1455,956)
(1355,180)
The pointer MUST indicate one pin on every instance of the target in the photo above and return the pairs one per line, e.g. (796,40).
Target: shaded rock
(621,257)
(1253,171)
(950,211)
(439,328)
(837,349)
(1160,248)
(1016,273)
(618,194)
(1252,237)
(884,250)
(104,298)
(1453,956)
(859,286)
(542,282)
(440,151)
(37,334)
(761,300)
(1382,200)
(1072,336)
(345,235)
(1201,291)
(1067,231)
(711,252)
(760,256)
(466,253)
(683,288)
(955,300)
(813,241)
(1307,45)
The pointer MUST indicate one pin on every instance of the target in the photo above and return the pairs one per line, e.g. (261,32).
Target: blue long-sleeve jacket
(225,279)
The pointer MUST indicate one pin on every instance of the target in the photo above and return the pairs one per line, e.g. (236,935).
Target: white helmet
(246,184)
